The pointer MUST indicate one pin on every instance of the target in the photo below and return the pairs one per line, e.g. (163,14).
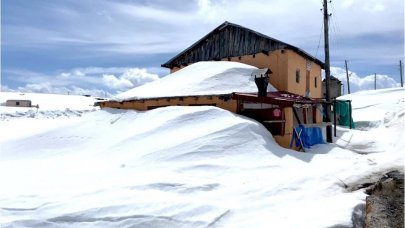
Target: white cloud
(358,83)
(139,27)
(47,87)
(96,81)
(4,88)
(129,79)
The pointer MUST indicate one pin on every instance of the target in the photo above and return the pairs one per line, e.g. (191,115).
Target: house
(293,70)
(19,103)
(335,86)
(295,75)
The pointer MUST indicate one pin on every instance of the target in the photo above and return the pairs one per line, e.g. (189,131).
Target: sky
(106,47)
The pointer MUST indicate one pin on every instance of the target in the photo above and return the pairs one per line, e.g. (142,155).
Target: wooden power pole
(400,73)
(347,76)
(375,81)
(327,70)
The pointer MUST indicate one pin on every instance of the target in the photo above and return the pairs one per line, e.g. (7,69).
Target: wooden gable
(231,40)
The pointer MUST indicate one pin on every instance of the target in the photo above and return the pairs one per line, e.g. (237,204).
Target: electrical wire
(334,21)
(319,41)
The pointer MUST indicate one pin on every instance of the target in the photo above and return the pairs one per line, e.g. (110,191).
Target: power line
(335,27)
(319,41)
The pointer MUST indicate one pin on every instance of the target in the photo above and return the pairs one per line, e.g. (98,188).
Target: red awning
(281,98)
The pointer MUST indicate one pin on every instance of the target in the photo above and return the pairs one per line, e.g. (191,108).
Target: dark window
(272,118)
(17,103)
(316,82)
(297,76)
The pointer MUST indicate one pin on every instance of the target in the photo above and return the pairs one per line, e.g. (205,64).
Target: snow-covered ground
(187,167)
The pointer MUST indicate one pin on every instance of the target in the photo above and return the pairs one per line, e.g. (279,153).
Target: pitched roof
(332,78)
(230,40)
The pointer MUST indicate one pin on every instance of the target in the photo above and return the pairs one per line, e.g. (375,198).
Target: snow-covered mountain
(185,166)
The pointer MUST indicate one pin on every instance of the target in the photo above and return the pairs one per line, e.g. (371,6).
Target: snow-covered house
(293,69)
(220,70)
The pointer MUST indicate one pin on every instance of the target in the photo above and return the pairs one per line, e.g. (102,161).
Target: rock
(385,203)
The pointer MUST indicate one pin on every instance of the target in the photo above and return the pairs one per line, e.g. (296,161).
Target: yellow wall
(142,105)
(284,140)
(297,62)
(284,64)
(174,69)
(277,61)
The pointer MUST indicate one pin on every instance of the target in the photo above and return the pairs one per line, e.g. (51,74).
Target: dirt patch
(385,203)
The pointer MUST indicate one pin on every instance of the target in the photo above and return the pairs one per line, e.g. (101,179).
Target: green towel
(343,113)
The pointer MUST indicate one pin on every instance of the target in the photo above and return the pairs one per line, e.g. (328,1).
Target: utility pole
(347,76)
(327,70)
(400,73)
(375,81)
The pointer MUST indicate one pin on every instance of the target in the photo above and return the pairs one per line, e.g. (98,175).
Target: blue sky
(106,46)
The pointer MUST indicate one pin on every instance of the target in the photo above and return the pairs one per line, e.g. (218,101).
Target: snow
(202,78)
(375,105)
(187,167)
(379,118)
(49,105)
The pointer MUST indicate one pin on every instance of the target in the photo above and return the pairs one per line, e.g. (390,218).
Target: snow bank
(49,105)
(185,167)
(379,117)
(376,107)
(200,78)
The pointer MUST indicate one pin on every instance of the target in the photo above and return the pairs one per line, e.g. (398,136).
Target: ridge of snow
(50,102)
(375,107)
(188,167)
(201,78)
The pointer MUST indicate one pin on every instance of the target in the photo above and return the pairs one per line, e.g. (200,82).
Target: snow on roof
(202,78)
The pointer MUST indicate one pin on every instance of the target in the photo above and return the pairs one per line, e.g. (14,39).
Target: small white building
(19,103)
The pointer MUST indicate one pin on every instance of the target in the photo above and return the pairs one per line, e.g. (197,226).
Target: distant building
(335,87)
(18,103)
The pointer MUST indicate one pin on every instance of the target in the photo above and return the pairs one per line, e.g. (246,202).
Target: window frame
(297,76)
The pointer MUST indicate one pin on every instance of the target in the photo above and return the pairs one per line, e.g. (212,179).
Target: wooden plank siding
(230,40)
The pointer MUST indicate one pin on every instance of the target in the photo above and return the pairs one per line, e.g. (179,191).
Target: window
(297,76)
(17,103)
(316,82)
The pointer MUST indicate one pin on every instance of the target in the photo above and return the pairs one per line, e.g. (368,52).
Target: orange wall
(297,62)
(284,64)
(276,61)
(142,105)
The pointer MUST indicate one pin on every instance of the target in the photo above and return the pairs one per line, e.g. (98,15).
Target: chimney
(262,81)
(261,84)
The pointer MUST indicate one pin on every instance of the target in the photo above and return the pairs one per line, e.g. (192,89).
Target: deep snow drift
(188,167)
(202,78)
